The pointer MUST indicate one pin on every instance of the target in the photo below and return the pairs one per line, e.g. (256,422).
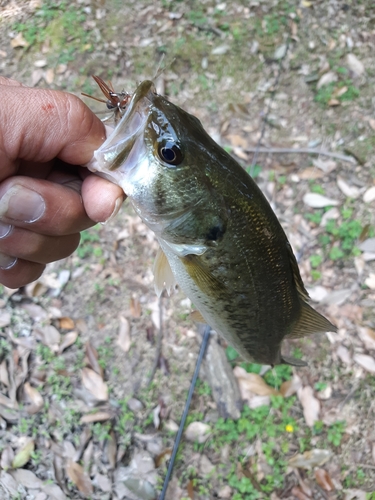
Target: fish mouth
(124,148)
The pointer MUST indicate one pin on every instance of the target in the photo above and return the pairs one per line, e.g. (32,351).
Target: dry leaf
(7,457)
(315,200)
(344,354)
(326,79)
(35,398)
(49,336)
(198,431)
(367,245)
(23,455)
(135,307)
(297,492)
(324,480)
(349,191)
(100,416)
(290,387)
(326,166)
(310,459)
(367,335)
(310,405)
(67,341)
(95,384)
(66,323)
(367,362)
(355,65)
(124,339)
(369,195)
(5,318)
(163,457)
(77,475)
(370,281)
(92,356)
(190,489)
(252,382)
(19,41)
(27,478)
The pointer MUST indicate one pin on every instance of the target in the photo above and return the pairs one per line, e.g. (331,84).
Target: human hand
(46,199)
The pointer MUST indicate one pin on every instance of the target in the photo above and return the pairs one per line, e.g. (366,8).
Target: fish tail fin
(309,322)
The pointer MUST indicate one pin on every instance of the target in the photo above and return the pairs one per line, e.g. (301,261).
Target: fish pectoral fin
(309,322)
(201,276)
(163,275)
(288,360)
(197,317)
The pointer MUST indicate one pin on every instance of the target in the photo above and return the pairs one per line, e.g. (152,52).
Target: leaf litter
(40,363)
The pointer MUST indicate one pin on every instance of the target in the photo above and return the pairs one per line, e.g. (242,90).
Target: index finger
(38,125)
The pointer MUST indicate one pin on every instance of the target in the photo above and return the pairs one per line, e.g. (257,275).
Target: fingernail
(5,229)
(22,204)
(6,262)
(118,204)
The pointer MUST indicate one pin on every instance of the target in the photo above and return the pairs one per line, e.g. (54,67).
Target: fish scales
(221,240)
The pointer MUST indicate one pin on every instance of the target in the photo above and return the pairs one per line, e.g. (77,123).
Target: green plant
(335,433)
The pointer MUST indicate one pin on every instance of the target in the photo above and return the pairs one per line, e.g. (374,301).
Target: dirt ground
(82,415)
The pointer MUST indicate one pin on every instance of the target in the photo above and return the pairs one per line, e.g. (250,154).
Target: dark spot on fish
(215,233)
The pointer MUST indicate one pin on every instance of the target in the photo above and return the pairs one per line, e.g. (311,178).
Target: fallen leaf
(95,384)
(252,382)
(349,191)
(78,476)
(163,457)
(290,387)
(124,339)
(370,281)
(100,416)
(66,323)
(135,307)
(367,245)
(23,455)
(367,335)
(220,50)
(280,52)
(356,495)
(190,489)
(68,340)
(7,457)
(369,195)
(310,405)
(367,362)
(19,41)
(48,335)
(35,398)
(326,166)
(355,65)
(198,431)
(310,459)
(324,480)
(111,448)
(9,484)
(5,318)
(344,354)
(315,200)
(326,79)
(297,492)
(141,488)
(92,356)
(26,477)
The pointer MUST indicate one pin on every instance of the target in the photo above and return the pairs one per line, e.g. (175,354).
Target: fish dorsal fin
(163,275)
(296,274)
(309,322)
(197,317)
(201,276)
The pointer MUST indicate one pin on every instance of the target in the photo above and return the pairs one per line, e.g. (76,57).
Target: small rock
(198,431)
(225,492)
(205,465)
(355,65)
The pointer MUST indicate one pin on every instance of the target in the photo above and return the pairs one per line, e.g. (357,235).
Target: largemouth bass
(219,238)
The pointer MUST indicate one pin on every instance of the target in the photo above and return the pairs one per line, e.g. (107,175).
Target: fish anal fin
(197,317)
(309,322)
(201,276)
(163,275)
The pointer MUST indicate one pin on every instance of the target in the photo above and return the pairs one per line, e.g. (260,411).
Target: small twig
(309,151)
(202,352)
(159,342)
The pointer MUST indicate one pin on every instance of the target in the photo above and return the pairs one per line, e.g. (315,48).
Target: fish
(220,240)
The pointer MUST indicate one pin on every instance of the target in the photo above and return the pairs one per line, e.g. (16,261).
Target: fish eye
(170,153)
(110,105)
